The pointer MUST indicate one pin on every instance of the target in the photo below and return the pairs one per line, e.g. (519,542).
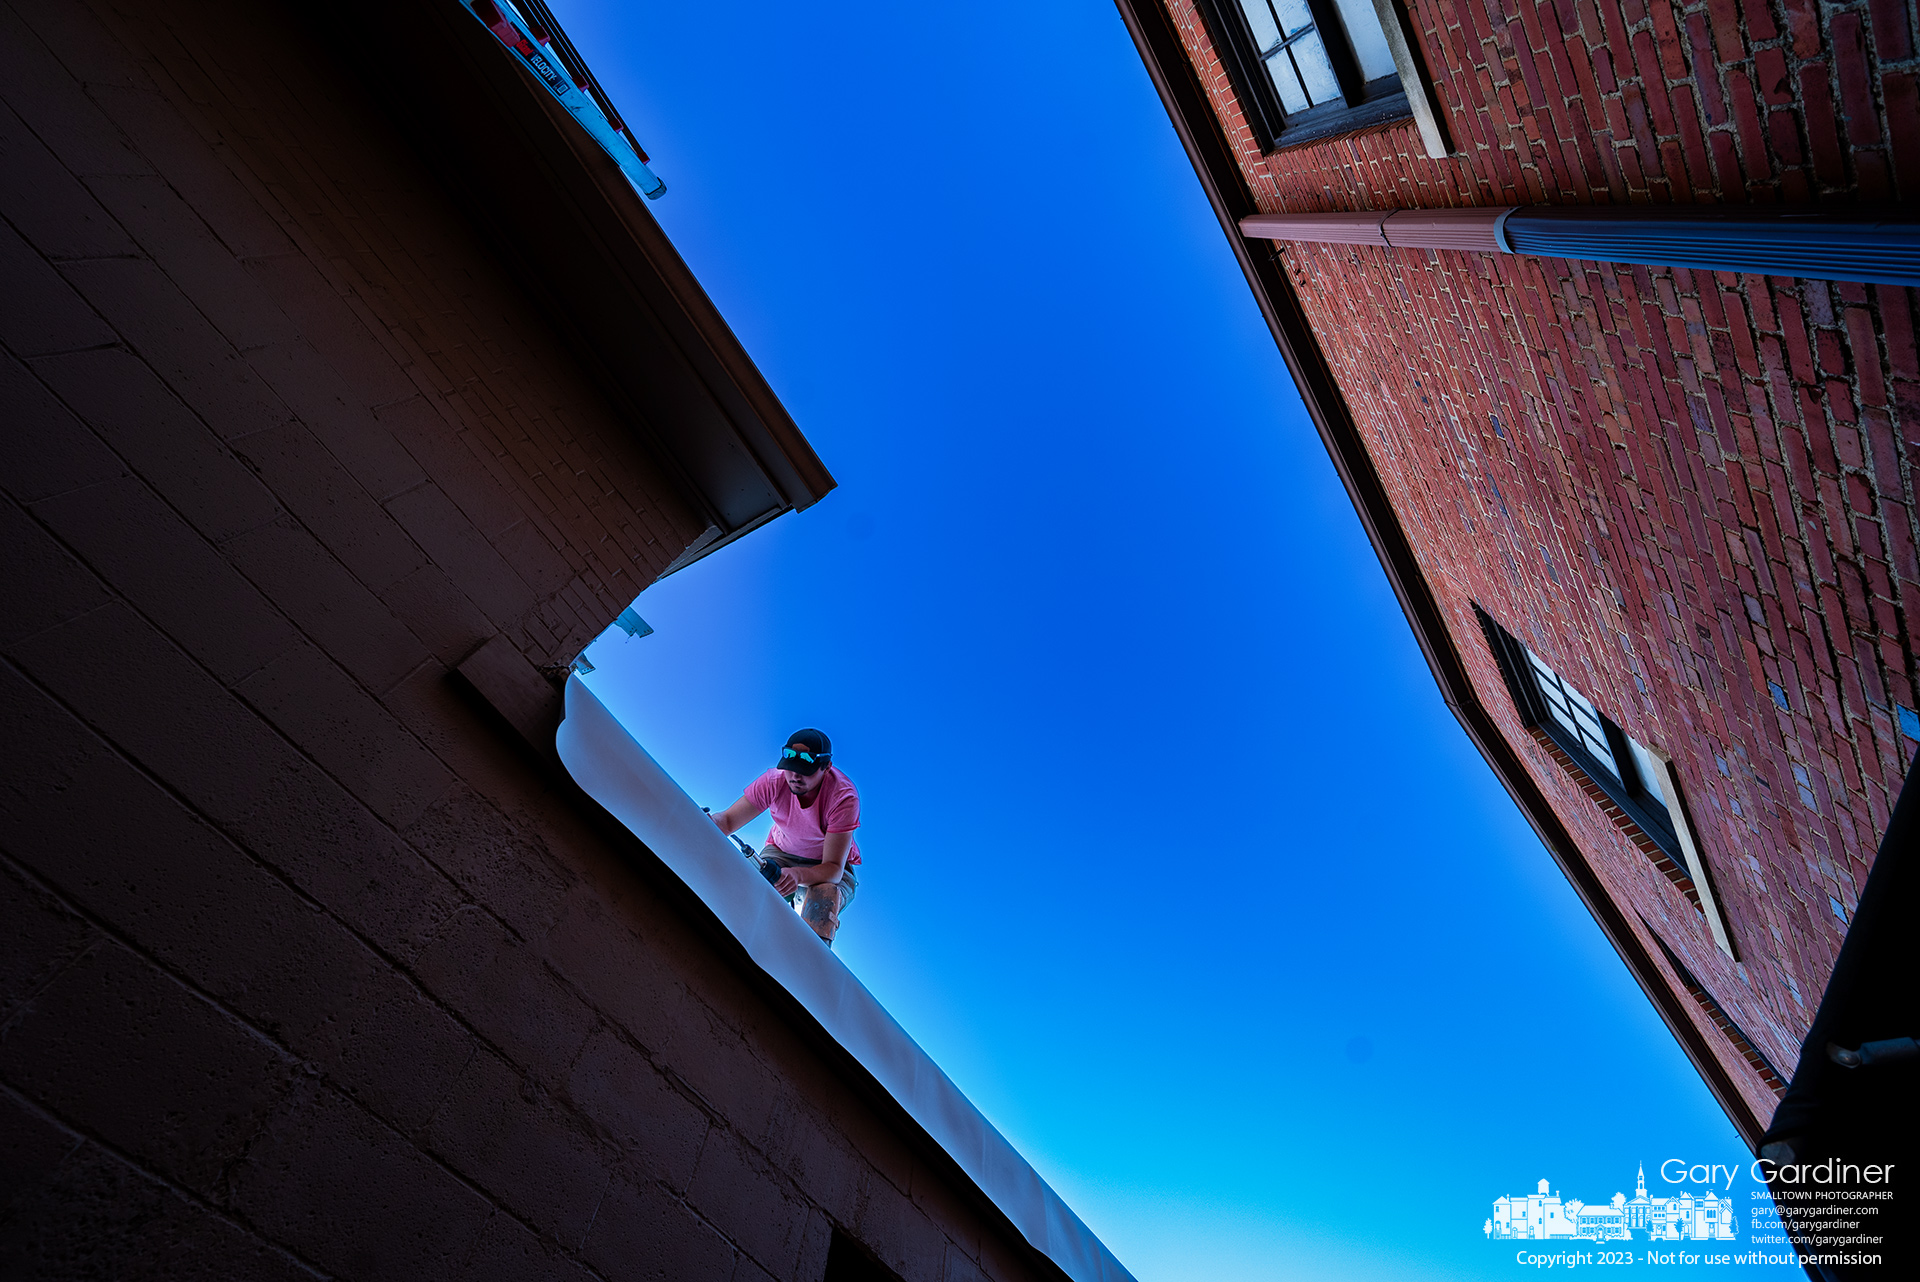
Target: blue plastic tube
(515,33)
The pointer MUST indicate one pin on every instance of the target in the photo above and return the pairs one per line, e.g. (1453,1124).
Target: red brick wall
(303,966)
(1699,483)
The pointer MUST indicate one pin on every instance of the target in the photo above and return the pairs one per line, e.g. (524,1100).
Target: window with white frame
(1623,767)
(1311,69)
(1640,781)
(1291,42)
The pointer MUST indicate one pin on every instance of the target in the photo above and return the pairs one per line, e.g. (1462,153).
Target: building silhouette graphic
(1685,1217)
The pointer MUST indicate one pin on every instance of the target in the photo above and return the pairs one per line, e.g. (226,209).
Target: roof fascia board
(1208,148)
(771,432)
(703,335)
(581,240)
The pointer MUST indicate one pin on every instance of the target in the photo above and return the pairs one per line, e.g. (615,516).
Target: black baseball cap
(806,752)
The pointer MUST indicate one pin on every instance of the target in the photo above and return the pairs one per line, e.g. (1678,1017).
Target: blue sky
(1175,860)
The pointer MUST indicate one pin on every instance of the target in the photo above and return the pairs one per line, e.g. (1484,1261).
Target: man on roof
(811,850)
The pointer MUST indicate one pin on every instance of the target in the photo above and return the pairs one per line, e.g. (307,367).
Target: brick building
(1653,523)
(350,390)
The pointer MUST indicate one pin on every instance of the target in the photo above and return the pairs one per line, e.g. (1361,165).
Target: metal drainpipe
(1872,247)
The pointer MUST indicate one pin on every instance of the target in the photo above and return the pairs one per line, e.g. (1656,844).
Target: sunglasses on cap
(801,761)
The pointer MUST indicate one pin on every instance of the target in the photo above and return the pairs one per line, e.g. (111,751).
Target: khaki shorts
(820,906)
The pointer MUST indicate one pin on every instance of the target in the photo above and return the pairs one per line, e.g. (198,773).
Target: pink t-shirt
(802,830)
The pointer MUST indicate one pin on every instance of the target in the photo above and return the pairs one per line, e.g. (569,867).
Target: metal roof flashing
(1184,97)
(617,773)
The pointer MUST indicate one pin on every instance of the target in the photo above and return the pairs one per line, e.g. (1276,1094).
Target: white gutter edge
(618,773)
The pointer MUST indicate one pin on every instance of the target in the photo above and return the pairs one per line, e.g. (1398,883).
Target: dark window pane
(1574,712)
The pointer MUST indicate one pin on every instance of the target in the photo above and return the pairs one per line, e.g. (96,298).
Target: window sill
(1372,116)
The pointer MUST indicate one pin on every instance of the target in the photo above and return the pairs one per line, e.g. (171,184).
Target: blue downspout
(1868,246)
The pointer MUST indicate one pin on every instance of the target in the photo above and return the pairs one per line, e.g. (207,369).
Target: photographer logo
(1687,1216)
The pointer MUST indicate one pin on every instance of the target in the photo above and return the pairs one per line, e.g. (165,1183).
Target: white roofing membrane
(618,773)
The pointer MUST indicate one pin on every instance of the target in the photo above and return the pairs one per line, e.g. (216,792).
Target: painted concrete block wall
(1683,489)
(306,969)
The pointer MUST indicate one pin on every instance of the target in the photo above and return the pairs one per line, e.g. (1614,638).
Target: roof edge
(1208,148)
(569,225)
(529,707)
(810,480)
(613,772)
